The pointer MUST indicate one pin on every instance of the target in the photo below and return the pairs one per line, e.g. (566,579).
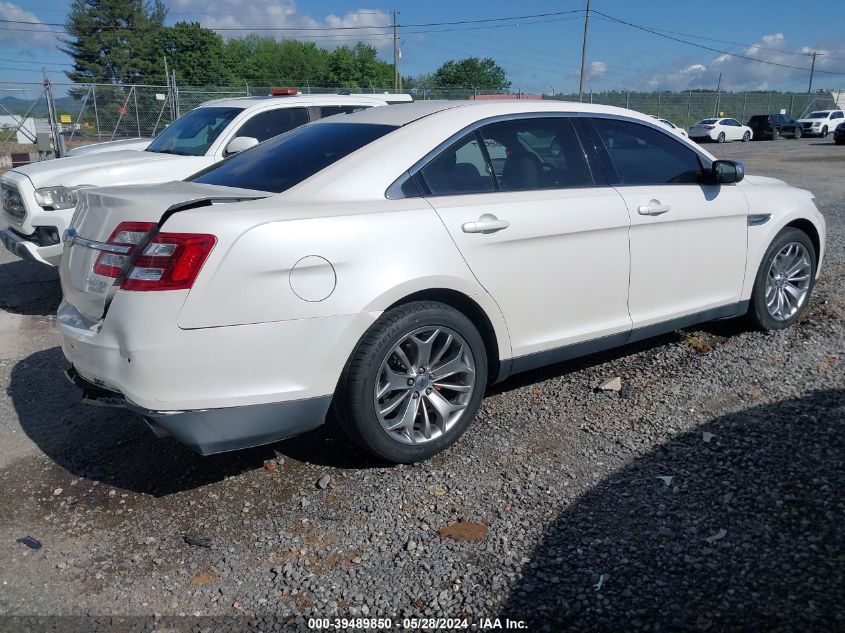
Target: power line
(710,48)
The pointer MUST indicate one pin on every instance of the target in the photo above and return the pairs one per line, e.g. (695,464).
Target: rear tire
(776,134)
(429,416)
(765,292)
(720,138)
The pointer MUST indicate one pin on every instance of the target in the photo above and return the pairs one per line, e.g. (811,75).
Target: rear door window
(642,155)
(460,169)
(536,153)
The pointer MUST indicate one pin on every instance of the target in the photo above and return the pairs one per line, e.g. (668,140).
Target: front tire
(776,134)
(414,383)
(824,132)
(797,134)
(784,281)
(720,138)
(746,137)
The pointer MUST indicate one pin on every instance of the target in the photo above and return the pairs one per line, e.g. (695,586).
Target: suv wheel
(784,281)
(414,383)
(797,134)
(776,134)
(824,132)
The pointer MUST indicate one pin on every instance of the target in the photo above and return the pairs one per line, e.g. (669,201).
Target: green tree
(359,68)
(195,53)
(472,72)
(269,62)
(113,41)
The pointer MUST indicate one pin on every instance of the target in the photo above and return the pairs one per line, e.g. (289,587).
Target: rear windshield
(284,161)
(707,121)
(760,118)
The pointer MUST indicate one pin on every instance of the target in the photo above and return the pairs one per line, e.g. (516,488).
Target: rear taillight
(127,234)
(170,261)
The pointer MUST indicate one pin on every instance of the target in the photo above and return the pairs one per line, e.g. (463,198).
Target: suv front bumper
(25,247)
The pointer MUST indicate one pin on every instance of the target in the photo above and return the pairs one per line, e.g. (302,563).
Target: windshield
(284,161)
(707,121)
(818,115)
(193,134)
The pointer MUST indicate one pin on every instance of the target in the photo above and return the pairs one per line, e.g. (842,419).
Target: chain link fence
(47,120)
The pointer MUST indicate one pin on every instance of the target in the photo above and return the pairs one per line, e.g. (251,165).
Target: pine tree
(113,41)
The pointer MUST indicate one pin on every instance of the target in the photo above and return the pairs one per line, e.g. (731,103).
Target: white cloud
(257,16)
(788,70)
(597,70)
(34,35)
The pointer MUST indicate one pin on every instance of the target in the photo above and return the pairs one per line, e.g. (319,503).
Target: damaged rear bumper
(209,431)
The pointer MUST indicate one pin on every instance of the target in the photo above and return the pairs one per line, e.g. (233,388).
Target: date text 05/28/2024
(482,624)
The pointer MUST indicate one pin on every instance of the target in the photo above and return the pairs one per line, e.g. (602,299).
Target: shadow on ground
(116,447)
(749,535)
(29,288)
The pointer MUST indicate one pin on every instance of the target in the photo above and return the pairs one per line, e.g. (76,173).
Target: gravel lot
(567,516)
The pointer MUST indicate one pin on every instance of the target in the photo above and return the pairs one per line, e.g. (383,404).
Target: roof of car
(293,100)
(405,113)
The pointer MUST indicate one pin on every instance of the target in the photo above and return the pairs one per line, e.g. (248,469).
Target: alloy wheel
(788,281)
(424,385)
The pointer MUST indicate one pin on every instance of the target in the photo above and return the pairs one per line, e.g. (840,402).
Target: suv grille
(12,203)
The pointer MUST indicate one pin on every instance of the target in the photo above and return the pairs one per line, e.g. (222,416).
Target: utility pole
(718,94)
(584,52)
(395,55)
(812,70)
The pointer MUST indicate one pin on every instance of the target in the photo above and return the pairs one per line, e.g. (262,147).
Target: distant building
(25,133)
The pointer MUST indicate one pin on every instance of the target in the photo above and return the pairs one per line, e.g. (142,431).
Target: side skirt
(569,352)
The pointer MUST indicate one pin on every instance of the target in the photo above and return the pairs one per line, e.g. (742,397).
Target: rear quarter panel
(378,253)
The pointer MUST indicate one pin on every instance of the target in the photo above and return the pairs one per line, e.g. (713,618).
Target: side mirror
(726,172)
(239,144)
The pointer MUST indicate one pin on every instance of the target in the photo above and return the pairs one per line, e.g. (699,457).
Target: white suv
(822,122)
(38,199)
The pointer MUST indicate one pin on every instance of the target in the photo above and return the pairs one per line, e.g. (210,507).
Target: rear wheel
(784,281)
(720,138)
(776,134)
(746,137)
(414,383)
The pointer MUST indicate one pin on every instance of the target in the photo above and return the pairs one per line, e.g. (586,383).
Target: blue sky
(539,54)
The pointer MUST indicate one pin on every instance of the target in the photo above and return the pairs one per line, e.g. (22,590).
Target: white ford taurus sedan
(388,265)
(720,130)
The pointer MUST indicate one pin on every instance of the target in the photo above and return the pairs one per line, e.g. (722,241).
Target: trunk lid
(99,213)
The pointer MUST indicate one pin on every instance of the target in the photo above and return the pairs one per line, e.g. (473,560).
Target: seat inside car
(522,170)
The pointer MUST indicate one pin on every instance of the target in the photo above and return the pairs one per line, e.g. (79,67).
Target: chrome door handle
(487,223)
(654,207)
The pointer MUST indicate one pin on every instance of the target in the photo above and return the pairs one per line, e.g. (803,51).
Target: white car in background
(822,122)
(392,263)
(38,199)
(720,130)
(677,130)
(137,144)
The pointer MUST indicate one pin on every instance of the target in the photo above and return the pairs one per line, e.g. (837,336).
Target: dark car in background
(774,126)
(839,134)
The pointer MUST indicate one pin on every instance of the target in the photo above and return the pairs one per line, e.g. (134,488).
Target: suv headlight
(57,197)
